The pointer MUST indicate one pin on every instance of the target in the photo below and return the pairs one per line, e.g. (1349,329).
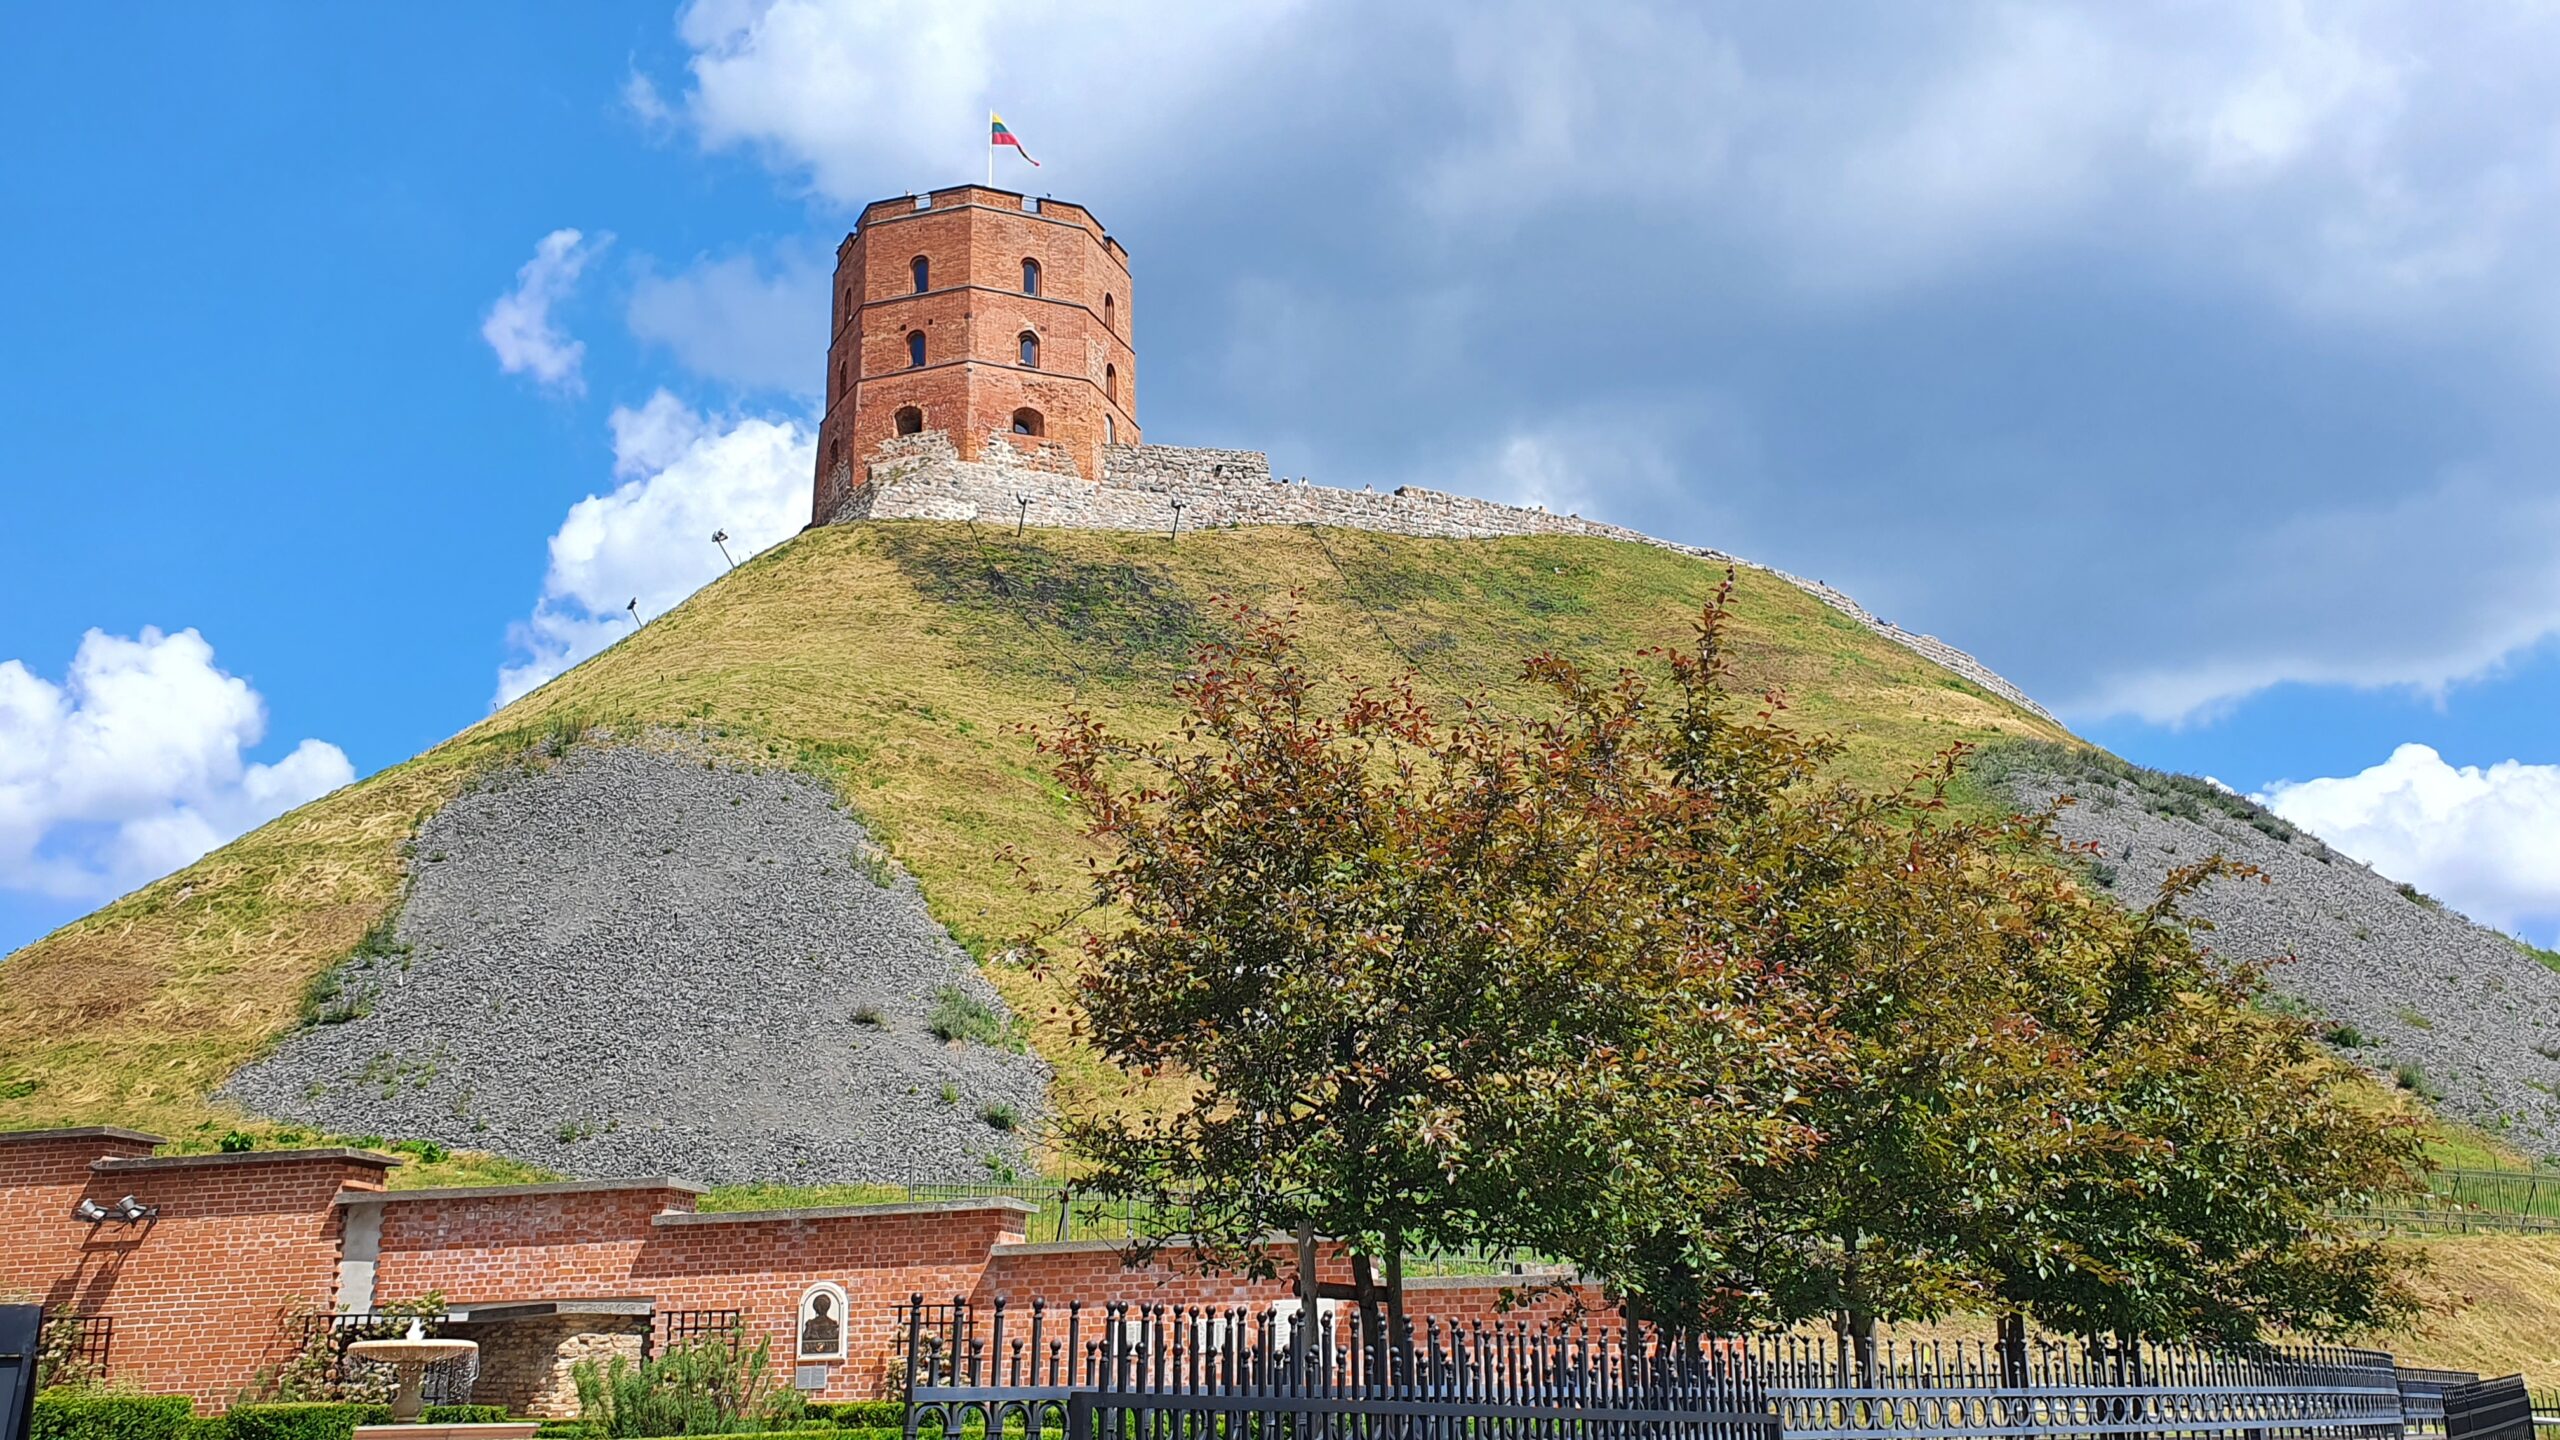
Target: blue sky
(2192,364)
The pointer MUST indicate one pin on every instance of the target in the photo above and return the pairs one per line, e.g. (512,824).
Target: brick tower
(983,316)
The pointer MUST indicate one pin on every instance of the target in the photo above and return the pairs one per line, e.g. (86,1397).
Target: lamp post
(721,539)
(1176,503)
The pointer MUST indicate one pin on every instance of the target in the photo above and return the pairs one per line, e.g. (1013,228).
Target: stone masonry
(1156,487)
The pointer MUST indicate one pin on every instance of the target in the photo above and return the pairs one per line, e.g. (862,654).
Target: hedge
(76,1415)
(860,1414)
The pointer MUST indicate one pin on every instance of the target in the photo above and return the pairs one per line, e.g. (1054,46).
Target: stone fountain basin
(412,1352)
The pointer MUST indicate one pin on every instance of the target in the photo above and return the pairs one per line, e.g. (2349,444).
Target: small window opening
(1030,277)
(835,452)
(1030,350)
(1111,383)
(1107,322)
(910,420)
(922,270)
(1026,422)
(1110,432)
(915,348)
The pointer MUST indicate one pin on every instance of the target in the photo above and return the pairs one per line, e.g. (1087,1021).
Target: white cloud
(735,321)
(872,99)
(136,764)
(684,476)
(520,327)
(2485,840)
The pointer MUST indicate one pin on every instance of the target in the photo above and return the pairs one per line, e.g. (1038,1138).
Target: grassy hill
(899,662)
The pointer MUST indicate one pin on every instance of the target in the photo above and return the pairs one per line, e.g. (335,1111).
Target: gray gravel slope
(629,962)
(2408,989)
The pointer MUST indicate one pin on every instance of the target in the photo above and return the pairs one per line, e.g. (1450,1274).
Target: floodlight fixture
(721,539)
(89,1211)
(134,1212)
(1176,503)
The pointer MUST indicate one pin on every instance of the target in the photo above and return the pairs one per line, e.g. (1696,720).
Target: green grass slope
(900,661)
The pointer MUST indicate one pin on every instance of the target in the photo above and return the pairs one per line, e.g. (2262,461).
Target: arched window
(1110,432)
(1107,322)
(848,300)
(835,452)
(1026,422)
(915,348)
(1030,277)
(922,269)
(840,379)
(1111,383)
(1030,350)
(910,420)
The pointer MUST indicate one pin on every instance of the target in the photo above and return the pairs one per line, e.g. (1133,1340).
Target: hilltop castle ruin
(981,366)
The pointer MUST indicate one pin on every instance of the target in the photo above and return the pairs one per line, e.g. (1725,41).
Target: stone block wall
(1156,487)
(530,1365)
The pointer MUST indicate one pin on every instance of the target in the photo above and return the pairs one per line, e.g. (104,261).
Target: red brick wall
(646,1243)
(1095,1272)
(200,1296)
(973,314)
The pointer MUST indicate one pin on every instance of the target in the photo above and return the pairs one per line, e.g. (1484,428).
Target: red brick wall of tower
(973,311)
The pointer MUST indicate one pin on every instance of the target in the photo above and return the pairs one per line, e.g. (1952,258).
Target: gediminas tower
(988,316)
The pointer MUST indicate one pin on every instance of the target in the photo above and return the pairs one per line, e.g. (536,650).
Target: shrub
(305,1420)
(87,1416)
(861,1414)
(959,1015)
(1000,1117)
(710,1387)
(2344,1037)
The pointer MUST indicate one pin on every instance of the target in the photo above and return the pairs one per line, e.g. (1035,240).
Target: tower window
(1110,432)
(1030,277)
(1030,350)
(835,452)
(915,348)
(840,379)
(1107,322)
(1111,383)
(922,270)
(910,420)
(1026,422)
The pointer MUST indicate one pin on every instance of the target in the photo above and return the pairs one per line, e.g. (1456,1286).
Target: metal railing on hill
(1174,1373)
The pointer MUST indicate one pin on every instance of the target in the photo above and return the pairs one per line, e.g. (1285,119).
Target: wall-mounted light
(134,1212)
(89,1212)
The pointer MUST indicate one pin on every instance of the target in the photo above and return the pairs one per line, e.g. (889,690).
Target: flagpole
(991,149)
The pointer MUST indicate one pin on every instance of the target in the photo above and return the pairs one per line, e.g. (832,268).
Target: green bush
(861,1414)
(206,1427)
(711,1387)
(77,1415)
(465,1415)
(312,1420)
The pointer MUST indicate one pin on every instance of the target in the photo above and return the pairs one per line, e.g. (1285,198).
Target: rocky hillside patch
(634,960)
(2464,1016)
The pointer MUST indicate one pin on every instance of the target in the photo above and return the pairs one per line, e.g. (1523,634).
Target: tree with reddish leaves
(1637,984)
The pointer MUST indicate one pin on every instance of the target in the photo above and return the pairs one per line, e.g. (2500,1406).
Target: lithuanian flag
(998,135)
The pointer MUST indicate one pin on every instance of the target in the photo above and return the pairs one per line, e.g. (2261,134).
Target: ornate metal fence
(2070,1388)
(1173,1372)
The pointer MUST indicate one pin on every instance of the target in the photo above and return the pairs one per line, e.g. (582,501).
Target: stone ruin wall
(921,477)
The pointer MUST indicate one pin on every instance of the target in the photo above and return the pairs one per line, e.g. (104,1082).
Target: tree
(1410,974)
(1638,983)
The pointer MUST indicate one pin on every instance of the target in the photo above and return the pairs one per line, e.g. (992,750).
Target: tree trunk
(2013,1351)
(1373,1329)
(1310,1303)
(1399,1337)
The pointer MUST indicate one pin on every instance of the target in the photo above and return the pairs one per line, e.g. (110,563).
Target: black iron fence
(81,1346)
(675,1329)
(1188,1373)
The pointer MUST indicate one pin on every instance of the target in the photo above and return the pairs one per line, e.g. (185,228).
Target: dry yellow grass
(902,663)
